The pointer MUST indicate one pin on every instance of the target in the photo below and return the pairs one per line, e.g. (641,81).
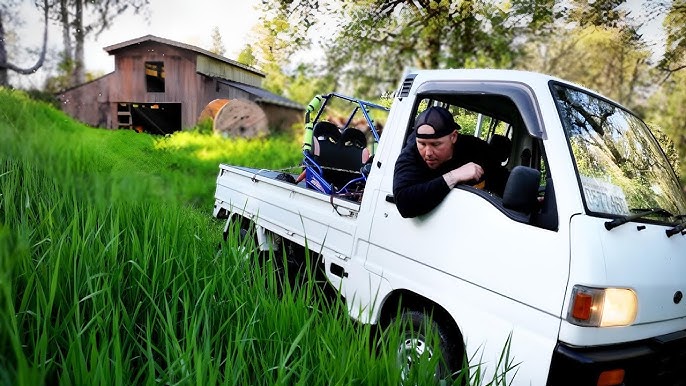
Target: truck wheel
(247,241)
(269,261)
(423,338)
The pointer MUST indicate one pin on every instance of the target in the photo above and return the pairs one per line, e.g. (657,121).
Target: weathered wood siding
(89,103)
(182,83)
(215,68)
(282,118)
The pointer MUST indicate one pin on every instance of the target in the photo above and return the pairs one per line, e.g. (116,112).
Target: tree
(304,85)
(271,50)
(217,44)
(5,65)
(373,41)
(79,19)
(603,59)
(667,111)
(274,50)
(596,45)
(247,57)
(674,58)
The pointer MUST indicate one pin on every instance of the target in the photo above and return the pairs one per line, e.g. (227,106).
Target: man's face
(435,151)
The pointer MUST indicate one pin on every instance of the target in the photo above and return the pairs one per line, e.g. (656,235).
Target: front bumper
(656,361)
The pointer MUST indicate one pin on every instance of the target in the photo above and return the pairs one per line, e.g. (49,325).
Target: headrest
(521,189)
(326,129)
(353,137)
(501,146)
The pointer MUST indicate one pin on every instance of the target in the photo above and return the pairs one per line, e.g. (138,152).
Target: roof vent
(407,85)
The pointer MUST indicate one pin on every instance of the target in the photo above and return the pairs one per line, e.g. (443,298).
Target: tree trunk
(67,54)
(79,76)
(4,65)
(3,55)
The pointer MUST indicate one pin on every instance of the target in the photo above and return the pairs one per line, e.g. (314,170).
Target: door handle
(338,270)
(390,198)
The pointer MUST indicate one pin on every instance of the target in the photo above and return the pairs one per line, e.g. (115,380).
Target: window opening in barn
(154,76)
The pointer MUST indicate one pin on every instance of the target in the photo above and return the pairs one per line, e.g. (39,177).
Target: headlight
(602,307)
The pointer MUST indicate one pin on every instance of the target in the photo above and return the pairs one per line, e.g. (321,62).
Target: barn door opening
(153,118)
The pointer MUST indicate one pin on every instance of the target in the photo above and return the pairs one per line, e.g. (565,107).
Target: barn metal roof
(263,95)
(152,38)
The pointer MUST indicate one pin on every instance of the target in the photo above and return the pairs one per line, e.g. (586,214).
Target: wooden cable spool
(210,111)
(241,118)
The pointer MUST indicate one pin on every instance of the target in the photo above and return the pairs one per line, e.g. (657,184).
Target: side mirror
(521,190)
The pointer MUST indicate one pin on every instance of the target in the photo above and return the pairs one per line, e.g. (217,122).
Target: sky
(185,21)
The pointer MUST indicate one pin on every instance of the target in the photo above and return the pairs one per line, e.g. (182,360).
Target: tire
(421,336)
(247,241)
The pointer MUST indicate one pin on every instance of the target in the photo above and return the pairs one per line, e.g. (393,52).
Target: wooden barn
(161,86)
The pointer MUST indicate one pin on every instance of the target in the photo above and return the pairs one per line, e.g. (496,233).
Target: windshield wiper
(609,225)
(678,228)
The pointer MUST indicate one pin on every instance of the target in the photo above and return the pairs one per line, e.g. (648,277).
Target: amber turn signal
(611,377)
(582,306)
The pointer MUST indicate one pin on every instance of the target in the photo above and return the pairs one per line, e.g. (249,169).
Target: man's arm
(468,172)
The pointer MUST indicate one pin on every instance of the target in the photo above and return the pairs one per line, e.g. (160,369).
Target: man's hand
(466,172)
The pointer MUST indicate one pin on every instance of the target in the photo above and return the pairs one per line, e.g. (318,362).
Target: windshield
(621,167)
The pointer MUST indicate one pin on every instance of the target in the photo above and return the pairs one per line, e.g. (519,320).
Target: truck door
(470,251)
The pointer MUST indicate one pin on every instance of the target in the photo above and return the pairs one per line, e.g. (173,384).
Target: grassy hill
(110,271)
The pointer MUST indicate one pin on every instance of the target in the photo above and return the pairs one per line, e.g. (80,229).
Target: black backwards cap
(439,119)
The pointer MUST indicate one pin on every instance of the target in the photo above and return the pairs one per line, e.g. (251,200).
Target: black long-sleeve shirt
(419,189)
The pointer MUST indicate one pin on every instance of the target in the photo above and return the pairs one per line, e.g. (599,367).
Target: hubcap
(410,350)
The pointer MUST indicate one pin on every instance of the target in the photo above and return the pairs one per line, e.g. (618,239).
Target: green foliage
(667,109)
(118,291)
(272,52)
(62,80)
(303,85)
(44,96)
(109,276)
(669,149)
(597,13)
(247,57)
(675,29)
(601,58)
(368,44)
(205,126)
(181,167)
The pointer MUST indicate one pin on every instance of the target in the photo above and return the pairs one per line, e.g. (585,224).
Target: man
(435,159)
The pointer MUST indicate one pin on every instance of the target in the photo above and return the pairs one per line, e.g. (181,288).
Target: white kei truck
(579,262)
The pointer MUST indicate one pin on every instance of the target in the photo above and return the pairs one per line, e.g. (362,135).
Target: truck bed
(323,223)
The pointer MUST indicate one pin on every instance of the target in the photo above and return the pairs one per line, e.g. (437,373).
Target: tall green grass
(138,293)
(181,167)
(110,271)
